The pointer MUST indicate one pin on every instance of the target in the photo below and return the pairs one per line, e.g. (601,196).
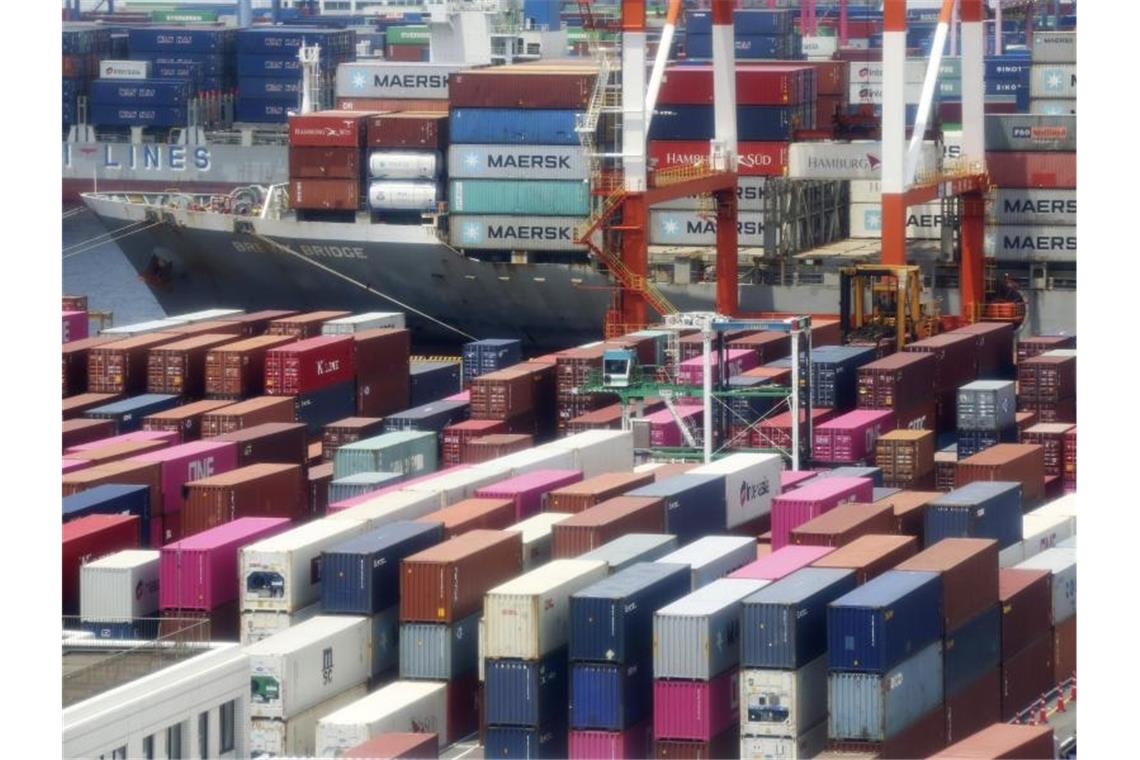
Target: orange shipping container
(448,581)
(254,411)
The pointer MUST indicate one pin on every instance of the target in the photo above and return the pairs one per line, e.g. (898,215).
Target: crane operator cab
(617,368)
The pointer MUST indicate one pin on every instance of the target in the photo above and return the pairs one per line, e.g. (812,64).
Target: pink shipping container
(790,479)
(166,436)
(529,491)
(737,362)
(343,504)
(190,461)
(74,325)
(696,710)
(851,437)
(633,743)
(71,465)
(781,562)
(790,511)
(201,572)
(663,430)
(464,396)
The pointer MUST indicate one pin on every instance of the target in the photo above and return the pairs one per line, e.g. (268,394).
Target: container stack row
(269,69)
(758,34)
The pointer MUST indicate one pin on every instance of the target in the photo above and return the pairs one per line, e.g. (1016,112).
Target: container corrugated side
(526,692)
(362,575)
(785,624)
(873,707)
(631,549)
(884,621)
(1062,563)
(971,650)
(696,710)
(713,557)
(439,652)
(610,696)
(811,743)
(783,702)
(419,706)
(119,588)
(698,636)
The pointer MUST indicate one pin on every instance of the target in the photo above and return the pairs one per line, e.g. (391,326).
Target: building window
(204,735)
(148,747)
(119,754)
(174,742)
(226,724)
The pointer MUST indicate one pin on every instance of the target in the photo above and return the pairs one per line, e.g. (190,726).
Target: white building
(198,707)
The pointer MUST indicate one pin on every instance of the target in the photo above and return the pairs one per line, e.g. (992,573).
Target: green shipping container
(184,17)
(505,196)
(407,452)
(408,35)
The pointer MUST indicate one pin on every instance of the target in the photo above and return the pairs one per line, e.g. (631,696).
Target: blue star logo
(671,226)
(1054,80)
(471,160)
(359,80)
(873,220)
(472,233)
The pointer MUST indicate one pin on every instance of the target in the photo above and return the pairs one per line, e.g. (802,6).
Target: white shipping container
(1043,532)
(847,160)
(1054,47)
(308,664)
(1062,563)
(871,72)
(451,487)
(384,79)
(820,48)
(207,315)
(124,69)
(517,162)
(390,164)
(1053,80)
(1023,243)
(120,587)
(529,617)
(482,649)
(1034,207)
(1012,555)
(141,328)
(699,228)
(751,481)
(283,572)
(372,320)
(296,737)
(783,702)
(713,557)
(543,457)
(516,233)
(698,636)
(806,745)
(259,625)
(389,507)
(538,537)
(923,222)
(419,706)
(951,145)
(871,93)
(1065,505)
(1053,107)
(1064,353)
(597,452)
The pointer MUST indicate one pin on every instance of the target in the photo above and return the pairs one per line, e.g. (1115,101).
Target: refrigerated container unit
(117,590)
(295,737)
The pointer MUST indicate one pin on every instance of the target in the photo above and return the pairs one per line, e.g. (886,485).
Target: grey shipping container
(713,557)
(783,702)
(1025,132)
(515,233)
(987,405)
(1033,206)
(1024,243)
(1053,80)
(873,707)
(517,162)
(1054,47)
(698,636)
(439,651)
(631,549)
(808,744)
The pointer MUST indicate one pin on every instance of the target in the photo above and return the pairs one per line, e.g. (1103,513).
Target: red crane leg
(727,288)
(634,254)
(971,275)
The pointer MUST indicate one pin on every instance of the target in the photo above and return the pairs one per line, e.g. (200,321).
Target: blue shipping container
(434,381)
(211,65)
(386,640)
(279,41)
(971,651)
(694,505)
(268,66)
(178,39)
(429,417)
(884,621)
(362,576)
(750,47)
(491,355)
(267,87)
(970,442)
(785,624)
(744,21)
(526,743)
(610,697)
(156,92)
(774,123)
(319,408)
(137,116)
(111,499)
(511,126)
(612,620)
(985,509)
(128,413)
(263,111)
(525,692)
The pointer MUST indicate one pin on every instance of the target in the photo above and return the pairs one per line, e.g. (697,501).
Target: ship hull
(218,260)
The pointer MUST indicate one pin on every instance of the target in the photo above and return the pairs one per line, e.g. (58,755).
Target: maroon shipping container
(994,346)
(770,84)
(74,303)
(383,382)
(462,706)
(346,431)
(488,447)
(975,707)
(254,411)
(673,469)
(608,417)
(405,53)
(270,442)
(325,194)
(1070,475)
(256,323)
(1064,410)
(769,346)
(922,738)
(128,472)
(1026,607)
(1065,650)
(831,77)
(1021,462)
(969,570)
(455,437)
(870,556)
(237,370)
(75,406)
(328,129)
(447,582)
(511,392)
(909,510)
(314,454)
(319,476)
(516,87)
(693,345)
(774,375)
(921,417)
(395,747)
(844,524)
(89,538)
(121,366)
(376,105)
(956,361)
(84,430)
(325,163)
(1003,740)
(185,421)
(1027,348)
(306,325)
(611,519)
(1041,169)
(584,494)
(643,345)
(1051,437)
(473,514)
(1027,676)
(75,363)
(572,370)
(309,365)
(727,744)
(899,381)
(419,129)
(1047,378)
(258,490)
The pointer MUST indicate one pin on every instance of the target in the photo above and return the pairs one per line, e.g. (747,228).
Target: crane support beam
(710,183)
(971,274)
(973,83)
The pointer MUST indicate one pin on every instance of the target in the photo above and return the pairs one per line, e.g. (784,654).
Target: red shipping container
(392,104)
(1039,344)
(969,570)
(325,194)
(1026,598)
(957,362)
(447,582)
(789,511)
(1024,463)
(1065,650)
(184,421)
(86,540)
(870,556)
(383,382)
(490,447)
(391,746)
(121,366)
(309,365)
(301,326)
(75,363)
(186,462)
(328,129)
(588,493)
(114,452)
(844,524)
(73,303)
(851,437)
(1051,437)
(180,367)
(1043,169)
(831,77)
(237,370)
(520,87)
(921,417)
(769,346)
(1027,676)
(423,129)
(766,85)
(994,345)
(1047,378)
(975,707)
(606,418)
(528,491)
(696,710)
(1005,741)
(462,706)
(319,476)
(512,392)
(201,572)
(325,163)
(615,517)
(256,323)
(258,490)
(634,743)
(406,53)
(753,159)
(899,381)
(80,431)
(1071,459)
(254,411)
(473,514)
(456,436)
